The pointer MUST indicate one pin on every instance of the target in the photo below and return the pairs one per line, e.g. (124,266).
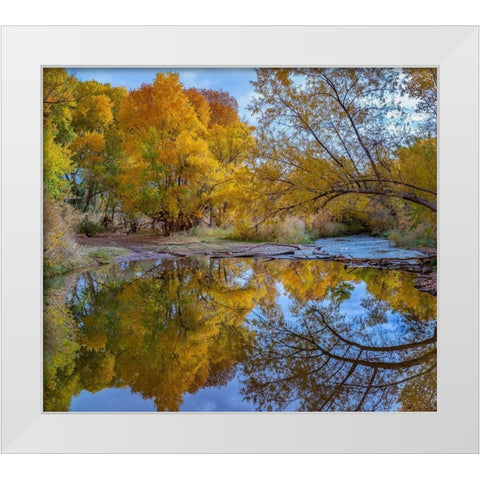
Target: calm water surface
(201,334)
(364,246)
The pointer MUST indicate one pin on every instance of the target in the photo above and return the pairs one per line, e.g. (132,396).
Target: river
(241,334)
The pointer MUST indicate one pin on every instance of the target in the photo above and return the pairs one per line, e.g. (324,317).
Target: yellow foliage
(417,165)
(94,108)
(170,170)
(88,151)
(56,164)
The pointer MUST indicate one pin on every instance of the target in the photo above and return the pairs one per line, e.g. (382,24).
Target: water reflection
(240,334)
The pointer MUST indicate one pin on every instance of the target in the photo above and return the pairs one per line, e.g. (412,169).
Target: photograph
(240,239)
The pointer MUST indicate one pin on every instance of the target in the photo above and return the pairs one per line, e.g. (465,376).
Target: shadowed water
(201,334)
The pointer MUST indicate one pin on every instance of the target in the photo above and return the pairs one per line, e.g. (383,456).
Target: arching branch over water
(326,362)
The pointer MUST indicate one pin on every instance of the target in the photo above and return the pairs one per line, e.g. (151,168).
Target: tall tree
(231,143)
(169,170)
(96,129)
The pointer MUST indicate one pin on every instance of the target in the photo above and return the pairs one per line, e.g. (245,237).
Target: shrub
(211,232)
(89,228)
(101,256)
(423,235)
(60,250)
(106,255)
(323,225)
(287,230)
(291,230)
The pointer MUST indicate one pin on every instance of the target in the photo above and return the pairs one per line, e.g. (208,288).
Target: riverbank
(353,252)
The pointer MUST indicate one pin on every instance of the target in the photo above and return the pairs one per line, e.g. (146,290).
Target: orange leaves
(154,116)
(162,105)
(159,150)
(168,332)
(223,107)
(171,168)
(200,104)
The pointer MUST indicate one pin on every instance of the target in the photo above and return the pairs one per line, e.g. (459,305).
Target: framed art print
(240,239)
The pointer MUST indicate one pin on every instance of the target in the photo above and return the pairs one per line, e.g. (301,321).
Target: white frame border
(453,429)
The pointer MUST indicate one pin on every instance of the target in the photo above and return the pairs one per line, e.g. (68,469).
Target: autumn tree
(56,166)
(231,142)
(160,151)
(60,94)
(95,147)
(200,104)
(327,133)
(223,107)
(233,146)
(169,170)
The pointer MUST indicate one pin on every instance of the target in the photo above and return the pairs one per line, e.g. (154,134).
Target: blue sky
(235,81)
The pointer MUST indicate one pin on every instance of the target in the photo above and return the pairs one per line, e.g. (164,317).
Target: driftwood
(295,247)
(180,254)
(407,264)
(427,283)
(169,251)
(248,253)
(244,254)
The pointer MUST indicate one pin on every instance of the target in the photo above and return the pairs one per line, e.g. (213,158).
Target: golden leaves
(93,113)
(177,165)
(56,164)
(88,150)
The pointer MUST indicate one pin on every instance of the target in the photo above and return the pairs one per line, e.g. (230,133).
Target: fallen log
(260,245)
(417,265)
(244,254)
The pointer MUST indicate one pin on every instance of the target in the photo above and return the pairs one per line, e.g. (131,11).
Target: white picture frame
(452,429)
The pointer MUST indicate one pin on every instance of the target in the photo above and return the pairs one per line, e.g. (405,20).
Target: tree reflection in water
(163,331)
(323,362)
(285,328)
